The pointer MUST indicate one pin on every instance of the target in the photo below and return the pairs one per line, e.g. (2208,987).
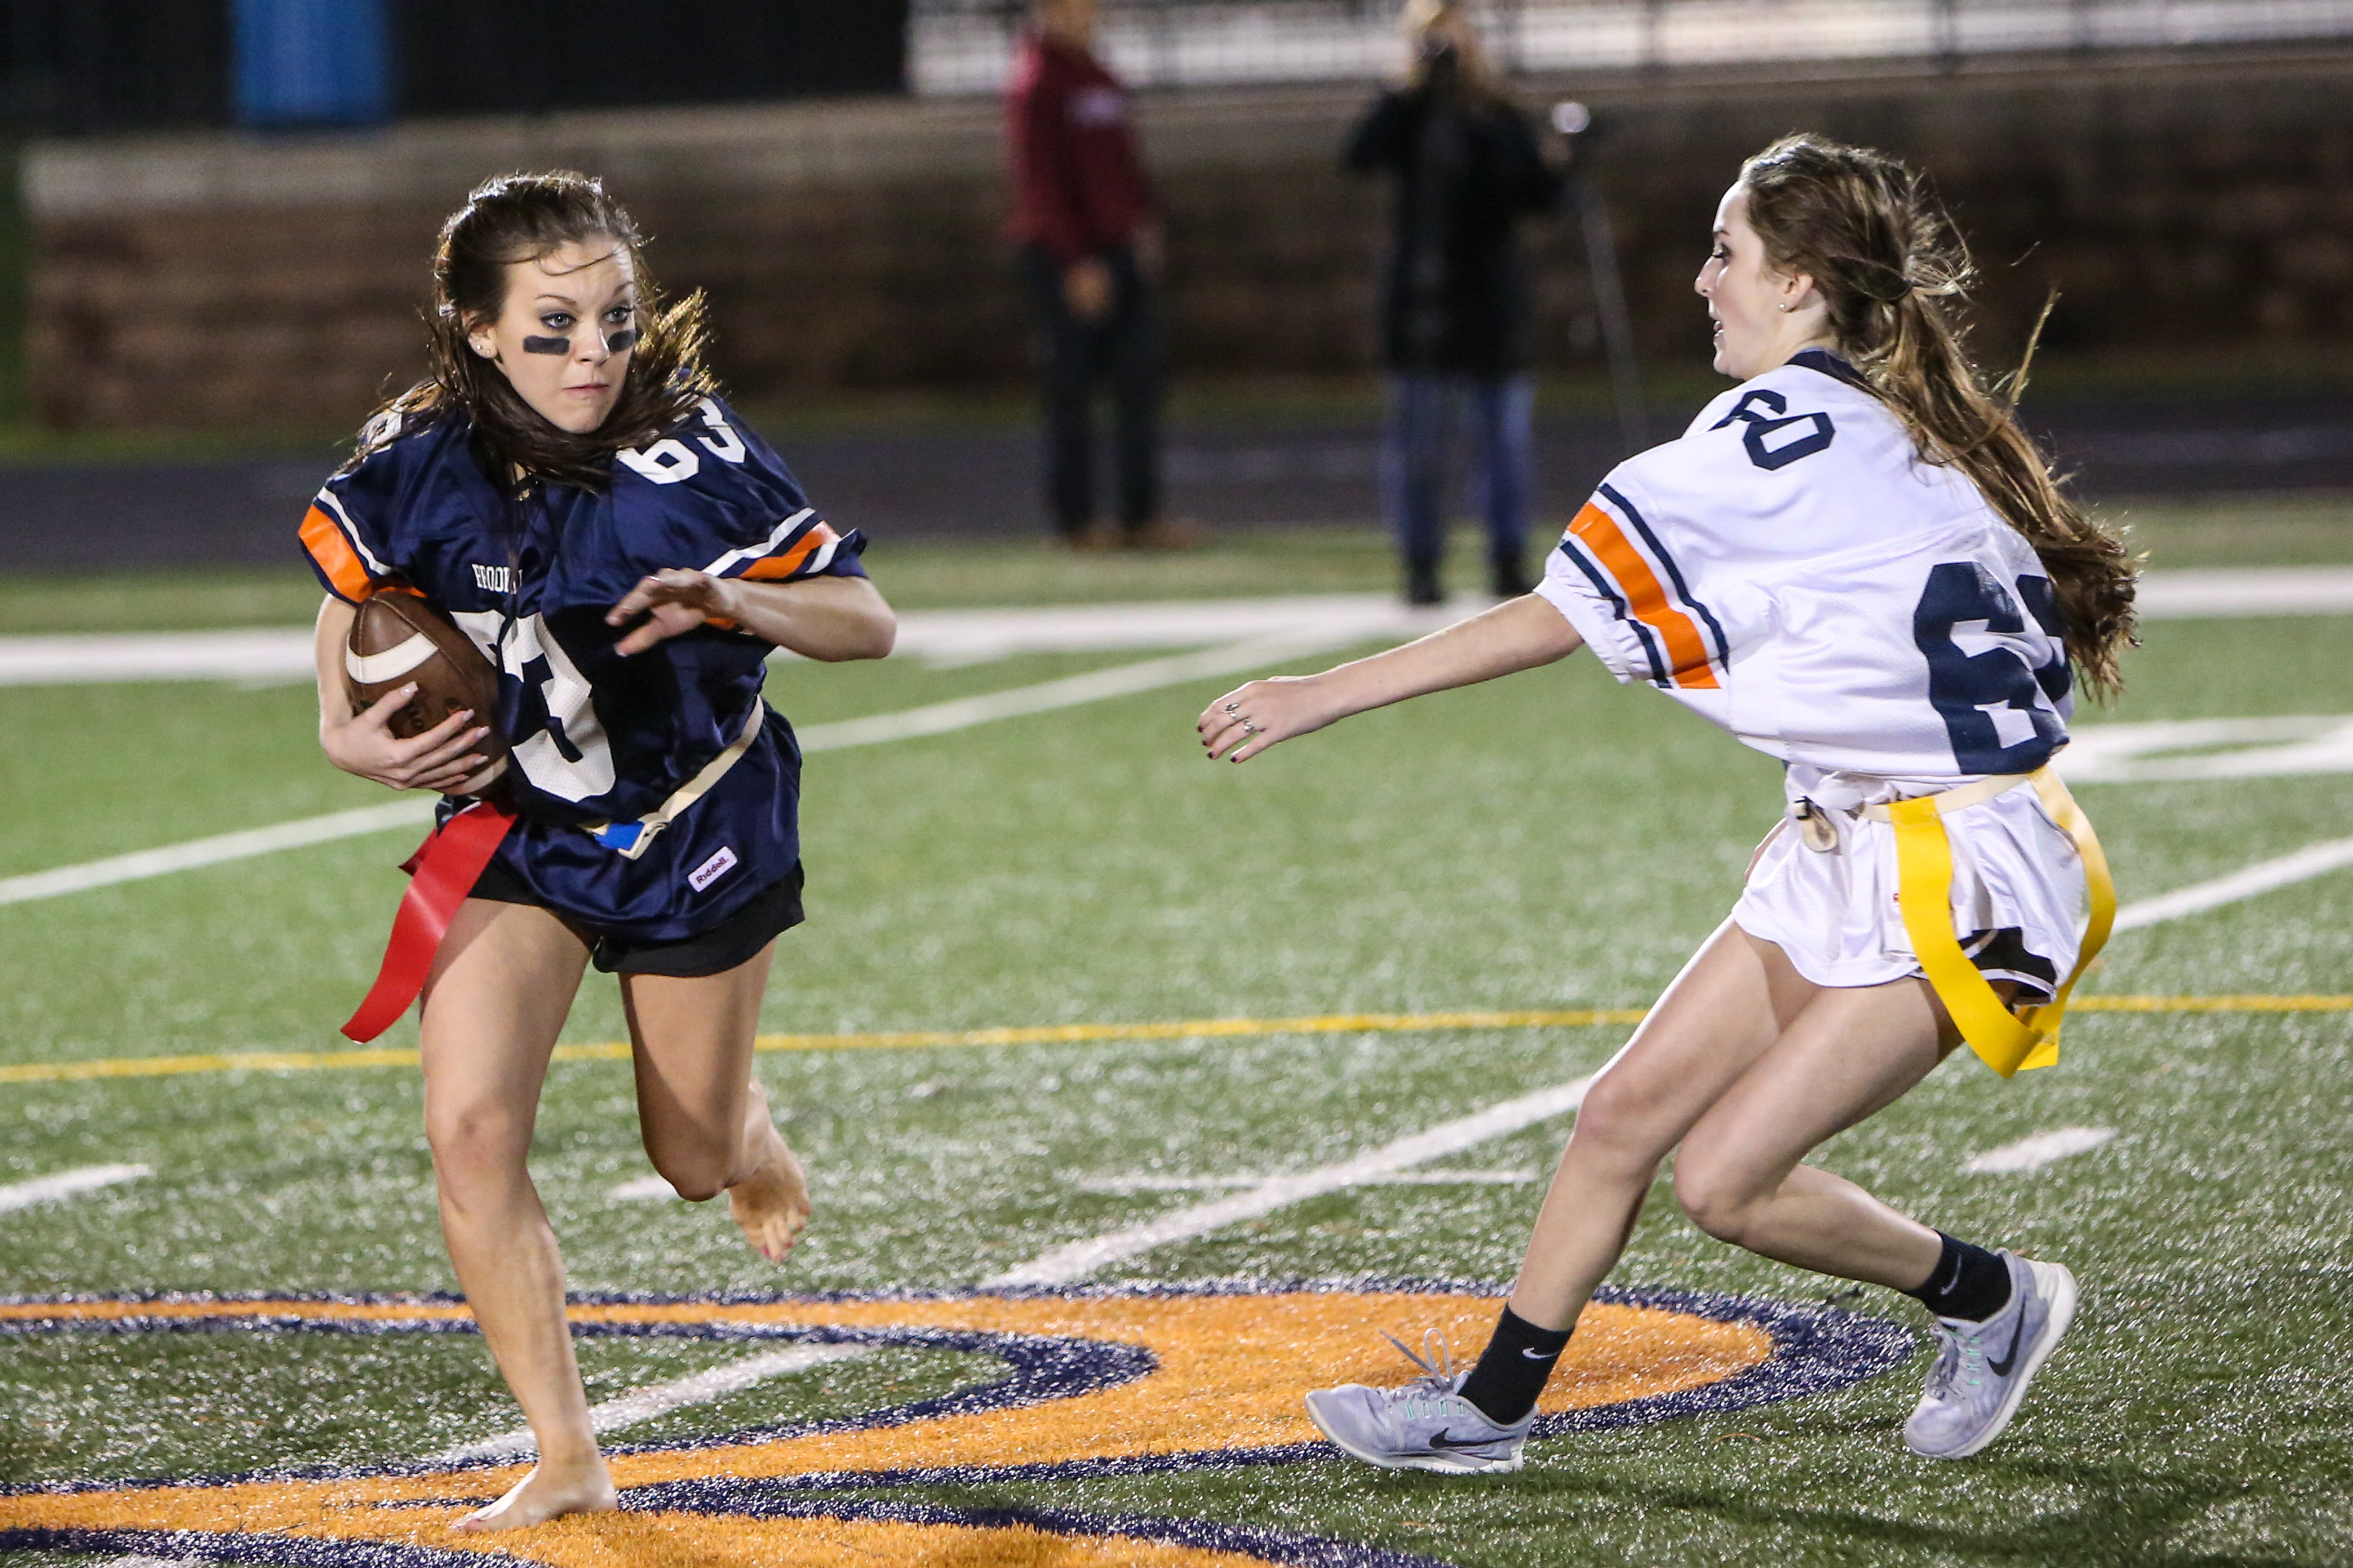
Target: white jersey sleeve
(1793,571)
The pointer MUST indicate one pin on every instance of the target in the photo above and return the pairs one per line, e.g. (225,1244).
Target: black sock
(1513,1368)
(1968,1283)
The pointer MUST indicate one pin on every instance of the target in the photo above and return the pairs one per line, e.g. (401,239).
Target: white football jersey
(1793,570)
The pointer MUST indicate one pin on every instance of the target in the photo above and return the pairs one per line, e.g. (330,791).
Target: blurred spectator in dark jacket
(1085,219)
(1454,294)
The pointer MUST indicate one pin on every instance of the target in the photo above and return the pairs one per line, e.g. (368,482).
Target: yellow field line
(2304,1003)
(1206,1028)
(1069,1034)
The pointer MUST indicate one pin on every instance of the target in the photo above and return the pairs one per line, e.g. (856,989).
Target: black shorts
(774,909)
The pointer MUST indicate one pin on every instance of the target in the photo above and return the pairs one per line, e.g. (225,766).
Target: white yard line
(67,1184)
(643,1404)
(1270,630)
(2033,1153)
(213,851)
(951,637)
(260,653)
(654,1189)
(1066,1264)
(644,1189)
(2245,591)
(1120,680)
(1122,1187)
(2291,745)
(936,719)
(940,638)
(1080,1258)
(2263,877)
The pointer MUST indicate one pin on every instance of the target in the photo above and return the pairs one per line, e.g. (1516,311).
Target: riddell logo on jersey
(497,579)
(710,870)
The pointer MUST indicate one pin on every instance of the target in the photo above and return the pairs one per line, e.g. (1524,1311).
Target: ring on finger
(1249,728)
(1232,708)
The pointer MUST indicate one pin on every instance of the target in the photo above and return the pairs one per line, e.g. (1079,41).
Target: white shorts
(2019,894)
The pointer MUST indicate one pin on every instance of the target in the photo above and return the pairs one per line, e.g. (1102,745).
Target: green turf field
(1548,841)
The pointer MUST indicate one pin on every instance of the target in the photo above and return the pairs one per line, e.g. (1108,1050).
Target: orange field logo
(1098,1381)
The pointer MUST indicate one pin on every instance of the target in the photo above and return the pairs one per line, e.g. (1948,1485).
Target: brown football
(396,638)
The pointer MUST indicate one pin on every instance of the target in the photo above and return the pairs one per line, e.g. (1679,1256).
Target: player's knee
(696,1175)
(697,1184)
(1617,1123)
(1716,1198)
(476,1140)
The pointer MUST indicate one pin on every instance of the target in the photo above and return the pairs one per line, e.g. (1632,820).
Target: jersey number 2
(1988,699)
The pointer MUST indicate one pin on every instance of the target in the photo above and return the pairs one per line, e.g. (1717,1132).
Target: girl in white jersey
(1857,562)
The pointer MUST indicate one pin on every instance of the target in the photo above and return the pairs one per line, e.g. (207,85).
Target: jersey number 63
(1991,700)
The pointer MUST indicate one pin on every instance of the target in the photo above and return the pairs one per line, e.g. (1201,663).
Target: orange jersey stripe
(334,555)
(787,563)
(1687,650)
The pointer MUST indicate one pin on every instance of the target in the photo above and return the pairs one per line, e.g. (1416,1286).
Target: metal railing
(963,45)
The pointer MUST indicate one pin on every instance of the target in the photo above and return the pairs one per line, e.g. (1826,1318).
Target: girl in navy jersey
(1857,562)
(569,489)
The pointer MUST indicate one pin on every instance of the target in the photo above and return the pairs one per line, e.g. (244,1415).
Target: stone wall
(227,281)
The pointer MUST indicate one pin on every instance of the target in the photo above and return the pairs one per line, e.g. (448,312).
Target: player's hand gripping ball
(396,639)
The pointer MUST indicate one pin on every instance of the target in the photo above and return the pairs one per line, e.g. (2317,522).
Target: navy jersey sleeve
(347,532)
(725,502)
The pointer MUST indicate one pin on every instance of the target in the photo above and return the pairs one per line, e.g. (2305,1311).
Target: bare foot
(771,1206)
(544,1495)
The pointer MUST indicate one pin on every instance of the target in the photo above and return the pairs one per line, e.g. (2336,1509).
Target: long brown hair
(1886,259)
(520,218)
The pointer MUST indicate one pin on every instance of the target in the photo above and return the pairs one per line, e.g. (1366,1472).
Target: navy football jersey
(599,739)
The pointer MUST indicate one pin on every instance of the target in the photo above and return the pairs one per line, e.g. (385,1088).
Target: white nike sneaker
(1425,1426)
(1982,1369)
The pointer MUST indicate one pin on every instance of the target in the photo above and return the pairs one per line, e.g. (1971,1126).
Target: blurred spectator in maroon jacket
(1085,217)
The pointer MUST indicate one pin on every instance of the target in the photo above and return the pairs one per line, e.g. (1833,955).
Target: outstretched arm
(1520,634)
(827,618)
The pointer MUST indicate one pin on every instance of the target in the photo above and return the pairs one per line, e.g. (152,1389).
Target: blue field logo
(1097,1383)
